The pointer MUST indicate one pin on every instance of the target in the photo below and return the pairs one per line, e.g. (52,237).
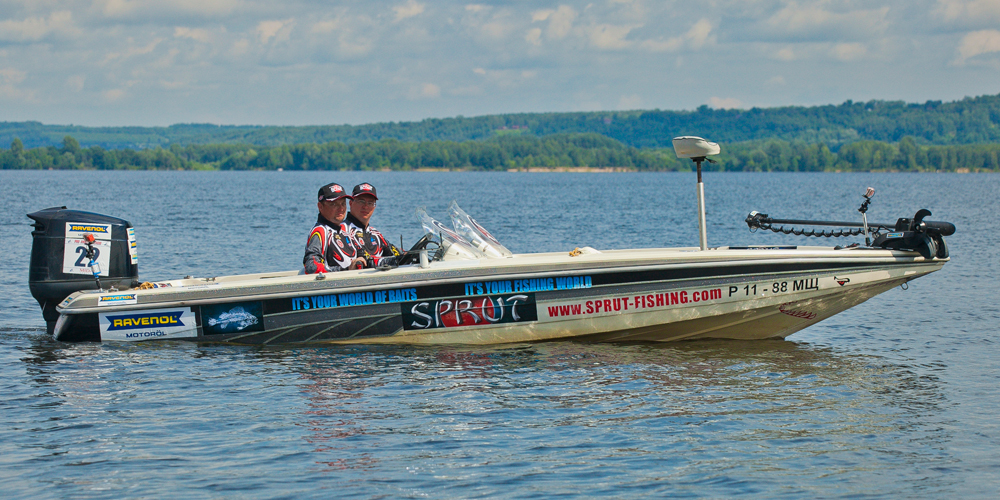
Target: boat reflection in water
(359,407)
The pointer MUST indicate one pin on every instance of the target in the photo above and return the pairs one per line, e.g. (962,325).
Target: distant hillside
(511,152)
(968,121)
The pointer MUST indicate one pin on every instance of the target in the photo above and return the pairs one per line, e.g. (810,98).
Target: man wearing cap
(369,242)
(329,247)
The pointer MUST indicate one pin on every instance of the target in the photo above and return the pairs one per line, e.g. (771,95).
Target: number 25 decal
(83,256)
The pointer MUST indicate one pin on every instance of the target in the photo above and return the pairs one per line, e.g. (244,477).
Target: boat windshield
(476,234)
(466,240)
(453,245)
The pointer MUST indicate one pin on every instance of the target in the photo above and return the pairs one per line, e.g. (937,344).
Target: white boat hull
(616,296)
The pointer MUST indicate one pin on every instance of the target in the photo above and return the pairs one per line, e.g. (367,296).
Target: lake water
(896,398)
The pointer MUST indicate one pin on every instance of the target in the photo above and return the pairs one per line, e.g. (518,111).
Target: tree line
(968,121)
(509,152)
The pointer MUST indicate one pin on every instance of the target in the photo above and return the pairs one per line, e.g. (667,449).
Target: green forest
(959,136)
(973,120)
(509,152)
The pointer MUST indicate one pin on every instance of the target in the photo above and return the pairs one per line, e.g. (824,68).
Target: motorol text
(353,299)
(637,302)
(529,285)
(469,311)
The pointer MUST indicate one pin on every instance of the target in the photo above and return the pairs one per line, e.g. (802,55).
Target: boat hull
(649,295)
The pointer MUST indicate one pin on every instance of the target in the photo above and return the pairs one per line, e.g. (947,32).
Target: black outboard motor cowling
(59,260)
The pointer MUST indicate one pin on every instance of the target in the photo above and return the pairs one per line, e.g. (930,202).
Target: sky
(314,62)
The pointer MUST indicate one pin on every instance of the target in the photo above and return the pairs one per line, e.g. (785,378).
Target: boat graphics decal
(116,300)
(133,249)
(796,313)
(469,311)
(635,303)
(217,319)
(79,229)
(173,323)
(75,250)
(623,278)
(691,297)
(353,299)
(528,285)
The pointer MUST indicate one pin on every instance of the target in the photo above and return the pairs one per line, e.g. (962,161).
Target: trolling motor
(916,234)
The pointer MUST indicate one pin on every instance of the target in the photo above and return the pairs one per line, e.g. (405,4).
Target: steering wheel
(412,255)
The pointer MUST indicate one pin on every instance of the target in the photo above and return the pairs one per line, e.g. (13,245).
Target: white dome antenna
(698,150)
(694,147)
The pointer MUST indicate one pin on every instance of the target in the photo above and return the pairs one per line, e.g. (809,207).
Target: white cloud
(173,84)
(848,51)
(724,103)
(785,54)
(279,30)
(410,9)
(239,47)
(497,28)
(974,11)
(609,36)
(130,8)
(33,29)
(534,36)
(814,22)
(698,36)
(112,95)
(76,82)
(354,35)
(978,43)
(132,50)
(9,80)
(196,34)
(187,60)
(11,75)
(425,91)
(560,21)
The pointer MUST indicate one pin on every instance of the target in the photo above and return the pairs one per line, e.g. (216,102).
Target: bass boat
(460,285)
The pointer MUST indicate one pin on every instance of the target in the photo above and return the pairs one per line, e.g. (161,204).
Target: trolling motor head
(926,237)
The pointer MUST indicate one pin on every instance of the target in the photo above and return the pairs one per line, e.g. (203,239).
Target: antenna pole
(702,234)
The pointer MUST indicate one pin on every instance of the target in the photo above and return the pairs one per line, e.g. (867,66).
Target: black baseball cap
(364,188)
(333,192)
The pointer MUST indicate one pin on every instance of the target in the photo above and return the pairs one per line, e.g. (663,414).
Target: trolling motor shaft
(757,220)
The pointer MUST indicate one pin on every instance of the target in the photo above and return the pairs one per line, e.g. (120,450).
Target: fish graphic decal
(236,316)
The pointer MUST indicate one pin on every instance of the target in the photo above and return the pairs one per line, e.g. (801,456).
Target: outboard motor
(73,250)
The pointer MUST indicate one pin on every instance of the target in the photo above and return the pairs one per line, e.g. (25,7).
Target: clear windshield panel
(453,245)
(476,234)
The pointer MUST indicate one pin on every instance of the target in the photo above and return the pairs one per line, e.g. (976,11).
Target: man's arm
(314,260)
(388,253)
